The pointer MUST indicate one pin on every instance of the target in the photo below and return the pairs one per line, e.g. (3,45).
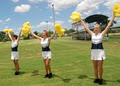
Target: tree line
(4,37)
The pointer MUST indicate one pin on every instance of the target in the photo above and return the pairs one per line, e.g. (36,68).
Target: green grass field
(71,64)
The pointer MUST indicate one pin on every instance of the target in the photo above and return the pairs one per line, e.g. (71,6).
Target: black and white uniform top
(97,50)
(14,49)
(46,52)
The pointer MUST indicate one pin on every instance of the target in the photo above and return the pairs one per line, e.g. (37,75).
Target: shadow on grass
(112,81)
(104,81)
(65,80)
(22,72)
(86,77)
(118,81)
(82,77)
(35,73)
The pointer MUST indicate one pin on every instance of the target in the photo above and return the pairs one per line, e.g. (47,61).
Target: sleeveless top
(97,41)
(14,46)
(45,44)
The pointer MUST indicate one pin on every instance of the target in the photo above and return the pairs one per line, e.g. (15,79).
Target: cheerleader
(46,52)
(97,50)
(14,48)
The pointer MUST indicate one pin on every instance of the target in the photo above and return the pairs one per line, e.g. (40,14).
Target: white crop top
(14,44)
(44,43)
(96,39)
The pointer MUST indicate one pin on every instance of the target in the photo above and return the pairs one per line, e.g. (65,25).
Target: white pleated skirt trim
(97,54)
(46,54)
(14,55)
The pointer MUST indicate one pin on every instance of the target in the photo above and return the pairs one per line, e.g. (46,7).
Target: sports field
(71,64)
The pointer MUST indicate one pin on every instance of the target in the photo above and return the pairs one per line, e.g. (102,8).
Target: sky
(13,13)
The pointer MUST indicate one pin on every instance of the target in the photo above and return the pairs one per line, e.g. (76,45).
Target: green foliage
(50,32)
(6,38)
(3,36)
(68,31)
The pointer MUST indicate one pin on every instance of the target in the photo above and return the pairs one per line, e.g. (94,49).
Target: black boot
(17,73)
(50,75)
(96,80)
(46,76)
(100,81)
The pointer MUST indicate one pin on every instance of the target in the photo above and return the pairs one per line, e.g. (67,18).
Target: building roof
(96,18)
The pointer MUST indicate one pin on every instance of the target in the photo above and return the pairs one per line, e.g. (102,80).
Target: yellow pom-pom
(5,30)
(116,10)
(61,32)
(77,14)
(26,29)
(26,24)
(57,26)
(59,29)
(10,31)
(76,17)
(117,14)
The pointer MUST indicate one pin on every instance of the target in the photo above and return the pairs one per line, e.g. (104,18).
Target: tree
(6,38)
(3,36)
(71,30)
(50,32)
(68,31)
(36,33)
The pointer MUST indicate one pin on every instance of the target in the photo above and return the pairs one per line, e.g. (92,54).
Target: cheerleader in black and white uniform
(46,52)
(14,48)
(97,50)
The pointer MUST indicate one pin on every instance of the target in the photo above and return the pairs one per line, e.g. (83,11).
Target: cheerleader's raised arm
(86,27)
(35,35)
(18,39)
(53,35)
(10,36)
(108,26)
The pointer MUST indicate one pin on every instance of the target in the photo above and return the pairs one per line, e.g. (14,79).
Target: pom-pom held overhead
(5,30)
(59,29)
(75,17)
(116,10)
(8,30)
(26,29)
